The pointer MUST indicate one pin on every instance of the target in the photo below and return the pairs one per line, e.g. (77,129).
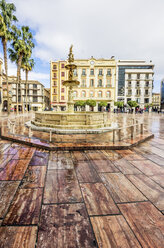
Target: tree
(91,103)
(132,104)
(119,104)
(7,17)
(103,104)
(27,65)
(80,103)
(22,46)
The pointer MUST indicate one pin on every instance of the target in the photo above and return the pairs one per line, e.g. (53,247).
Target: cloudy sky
(127,29)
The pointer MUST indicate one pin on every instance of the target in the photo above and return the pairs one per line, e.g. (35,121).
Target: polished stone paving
(83,198)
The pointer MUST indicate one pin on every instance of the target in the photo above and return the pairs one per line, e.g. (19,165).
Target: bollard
(119,134)
(132,131)
(142,130)
(29,132)
(113,135)
(50,135)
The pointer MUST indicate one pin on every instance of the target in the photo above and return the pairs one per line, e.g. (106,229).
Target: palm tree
(7,17)
(27,65)
(22,46)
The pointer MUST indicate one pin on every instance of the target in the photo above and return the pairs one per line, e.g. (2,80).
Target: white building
(134,81)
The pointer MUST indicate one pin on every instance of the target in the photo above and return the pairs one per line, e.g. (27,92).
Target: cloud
(127,29)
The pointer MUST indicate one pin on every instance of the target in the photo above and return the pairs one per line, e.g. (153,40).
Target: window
(63,74)
(92,72)
(34,85)
(83,72)
(100,94)
(147,76)
(62,97)
(138,92)
(129,84)
(75,93)
(54,98)
(83,93)
(91,93)
(146,100)
(83,83)
(138,76)
(147,84)
(129,76)
(100,83)
(55,76)
(108,94)
(54,67)
(35,99)
(100,72)
(138,84)
(62,65)
(108,72)
(92,83)
(62,90)
(54,91)
(34,92)
(108,83)
(129,92)
(146,92)
(138,100)
(55,83)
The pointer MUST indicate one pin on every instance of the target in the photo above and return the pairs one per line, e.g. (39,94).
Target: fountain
(70,121)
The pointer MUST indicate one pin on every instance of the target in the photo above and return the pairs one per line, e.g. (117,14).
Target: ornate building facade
(97,79)
(1,90)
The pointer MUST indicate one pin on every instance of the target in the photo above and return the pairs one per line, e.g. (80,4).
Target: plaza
(88,198)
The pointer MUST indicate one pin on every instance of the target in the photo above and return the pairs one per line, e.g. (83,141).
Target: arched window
(108,94)
(83,93)
(100,94)
(91,93)
(75,93)
(100,83)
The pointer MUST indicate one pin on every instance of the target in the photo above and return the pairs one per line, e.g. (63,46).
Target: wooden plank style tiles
(60,160)
(146,222)
(130,155)
(97,199)
(113,232)
(121,189)
(25,208)
(24,153)
(156,159)
(62,187)
(125,167)
(86,173)
(149,188)
(14,170)
(7,191)
(78,156)
(34,177)
(4,159)
(65,226)
(39,159)
(158,179)
(18,237)
(4,147)
(148,167)
(11,150)
(112,155)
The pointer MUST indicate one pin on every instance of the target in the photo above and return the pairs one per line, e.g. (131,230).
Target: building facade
(156,101)
(1,90)
(35,95)
(162,94)
(134,81)
(97,79)
(47,98)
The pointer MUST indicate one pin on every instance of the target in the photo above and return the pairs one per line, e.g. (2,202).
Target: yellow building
(156,101)
(97,79)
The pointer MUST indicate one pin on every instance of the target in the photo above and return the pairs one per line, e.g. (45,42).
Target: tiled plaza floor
(83,199)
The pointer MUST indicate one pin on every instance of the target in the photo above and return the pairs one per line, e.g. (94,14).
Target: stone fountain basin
(71,121)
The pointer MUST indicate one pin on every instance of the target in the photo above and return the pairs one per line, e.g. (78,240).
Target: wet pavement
(83,198)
